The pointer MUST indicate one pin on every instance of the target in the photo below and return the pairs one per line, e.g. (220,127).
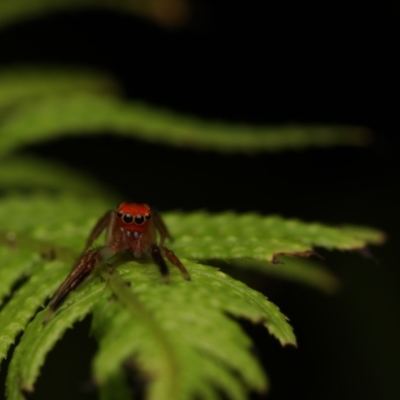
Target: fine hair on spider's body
(132,229)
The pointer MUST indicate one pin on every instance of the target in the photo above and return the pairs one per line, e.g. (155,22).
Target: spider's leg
(107,221)
(157,257)
(83,267)
(175,260)
(161,227)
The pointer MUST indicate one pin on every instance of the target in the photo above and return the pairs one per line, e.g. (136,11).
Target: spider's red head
(133,216)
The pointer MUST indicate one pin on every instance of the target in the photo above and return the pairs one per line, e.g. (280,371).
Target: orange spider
(131,229)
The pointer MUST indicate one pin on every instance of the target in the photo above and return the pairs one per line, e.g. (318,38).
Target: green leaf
(204,236)
(14,267)
(22,83)
(26,245)
(299,270)
(162,327)
(51,117)
(171,329)
(39,339)
(21,173)
(16,313)
(28,256)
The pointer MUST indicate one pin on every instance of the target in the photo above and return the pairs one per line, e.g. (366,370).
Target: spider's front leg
(106,222)
(158,259)
(157,253)
(83,267)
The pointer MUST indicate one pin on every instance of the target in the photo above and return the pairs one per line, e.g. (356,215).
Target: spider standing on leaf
(132,230)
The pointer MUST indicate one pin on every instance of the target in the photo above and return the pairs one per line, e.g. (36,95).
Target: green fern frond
(44,103)
(39,339)
(300,270)
(232,236)
(84,113)
(182,326)
(21,173)
(23,83)
(162,327)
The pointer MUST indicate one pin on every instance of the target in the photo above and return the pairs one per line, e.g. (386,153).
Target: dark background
(270,63)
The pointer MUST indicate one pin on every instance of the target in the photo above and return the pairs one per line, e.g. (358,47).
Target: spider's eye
(139,219)
(119,214)
(128,219)
(147,216)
